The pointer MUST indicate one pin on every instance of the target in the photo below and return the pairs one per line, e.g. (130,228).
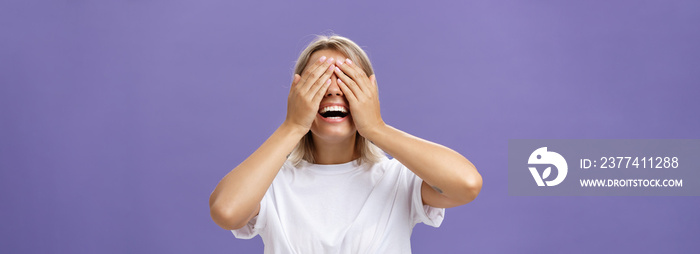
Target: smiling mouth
(333,112)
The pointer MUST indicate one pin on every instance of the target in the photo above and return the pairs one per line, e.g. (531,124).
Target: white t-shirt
(341,208)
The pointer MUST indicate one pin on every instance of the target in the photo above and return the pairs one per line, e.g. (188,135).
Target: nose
(334,89)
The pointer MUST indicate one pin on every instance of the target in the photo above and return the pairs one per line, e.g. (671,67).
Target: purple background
(119,118)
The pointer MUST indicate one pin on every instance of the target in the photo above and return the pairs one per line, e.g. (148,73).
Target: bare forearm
(447,171)
(238,194)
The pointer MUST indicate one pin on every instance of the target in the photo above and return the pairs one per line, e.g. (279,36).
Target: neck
(334,152)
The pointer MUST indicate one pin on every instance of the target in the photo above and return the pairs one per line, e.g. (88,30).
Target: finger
(361,75)
(295,79)
(305,74)
(352,70)
(346,68)
(347,92)
(373,79)
(356,69)
(322,91)
(313,76)
(295,82)
(349,82)
(321,82)
(313,66)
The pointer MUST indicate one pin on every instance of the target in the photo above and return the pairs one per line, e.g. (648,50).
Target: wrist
(293,129)
(375,132)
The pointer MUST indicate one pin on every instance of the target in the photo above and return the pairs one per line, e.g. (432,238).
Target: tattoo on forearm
(437,189)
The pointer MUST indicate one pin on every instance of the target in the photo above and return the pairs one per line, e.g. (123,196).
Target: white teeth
(333,108)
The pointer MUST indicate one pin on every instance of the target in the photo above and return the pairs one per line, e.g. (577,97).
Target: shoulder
(288,169)
(387,163)
(394,165)
(287,165)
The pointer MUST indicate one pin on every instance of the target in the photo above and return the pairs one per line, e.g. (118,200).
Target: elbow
(471,187)
(226,217)
(475,186)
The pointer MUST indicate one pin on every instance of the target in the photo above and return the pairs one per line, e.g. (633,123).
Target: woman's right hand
(307,92)
(236,199)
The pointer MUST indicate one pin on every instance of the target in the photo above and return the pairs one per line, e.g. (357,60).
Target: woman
(321,182)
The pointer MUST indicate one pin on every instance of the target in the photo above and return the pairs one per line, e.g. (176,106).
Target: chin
(334,135)
(333,132)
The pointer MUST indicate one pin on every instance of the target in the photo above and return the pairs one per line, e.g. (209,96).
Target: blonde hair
(369,152)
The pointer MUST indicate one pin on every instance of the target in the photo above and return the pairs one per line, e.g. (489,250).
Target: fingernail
(339,62)
(340,81)
(337,69)
(348,60)
(328,81)
(330,67)
(330,60)
(323,58)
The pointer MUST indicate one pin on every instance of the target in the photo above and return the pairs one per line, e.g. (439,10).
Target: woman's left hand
(362,95)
